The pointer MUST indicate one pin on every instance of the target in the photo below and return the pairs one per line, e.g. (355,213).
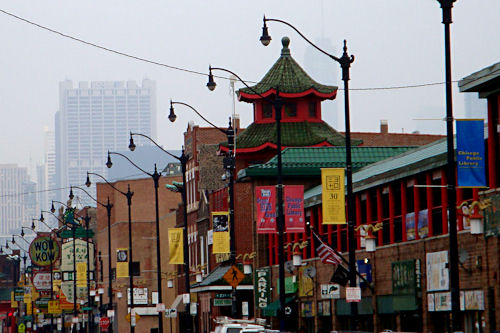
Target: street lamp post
(128,195)
(447,6)
(108,207)
(229,165)
(345,63)
(277,102)
(156,178)
(183,160)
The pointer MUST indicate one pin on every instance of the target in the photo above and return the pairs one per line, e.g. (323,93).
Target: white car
(238,328)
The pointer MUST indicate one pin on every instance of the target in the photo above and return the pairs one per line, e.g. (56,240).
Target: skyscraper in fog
(475,107)
(94,119)
(18,199)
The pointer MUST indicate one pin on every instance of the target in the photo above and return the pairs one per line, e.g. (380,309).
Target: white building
(94,119)
(18,199)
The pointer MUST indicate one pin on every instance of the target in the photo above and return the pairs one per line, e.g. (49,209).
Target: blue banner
(470,153)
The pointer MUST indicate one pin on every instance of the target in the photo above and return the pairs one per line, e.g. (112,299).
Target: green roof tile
(308,161)
(287,76)
(293,134)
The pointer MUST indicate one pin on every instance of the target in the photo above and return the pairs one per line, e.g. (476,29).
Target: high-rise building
(94,119)
(475,107)
(18,199)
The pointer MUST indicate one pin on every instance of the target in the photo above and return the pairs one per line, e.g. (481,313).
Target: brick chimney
(384,127)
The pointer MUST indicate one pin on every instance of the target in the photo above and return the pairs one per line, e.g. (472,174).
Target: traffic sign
(104,323)
(170,313)
(137,317)
(234,276)
(21,328)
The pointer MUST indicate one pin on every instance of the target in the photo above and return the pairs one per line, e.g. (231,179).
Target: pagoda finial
(285,51)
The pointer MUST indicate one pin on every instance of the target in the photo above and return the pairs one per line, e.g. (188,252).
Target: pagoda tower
(301,121)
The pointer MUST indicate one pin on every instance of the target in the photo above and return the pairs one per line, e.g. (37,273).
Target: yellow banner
(221,242)
(54,307)
(333,195)
(122,269)
(306,285)
(27,298)
(176,245)
(81,274)
(29,310)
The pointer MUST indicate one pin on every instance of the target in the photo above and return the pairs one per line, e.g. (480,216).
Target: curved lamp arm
(156,144)
(109,164)
(199,114)
(90,196)
(98,175)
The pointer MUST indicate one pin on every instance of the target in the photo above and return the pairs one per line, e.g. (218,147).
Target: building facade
(95,118)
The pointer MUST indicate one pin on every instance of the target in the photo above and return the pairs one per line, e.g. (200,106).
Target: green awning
(405,303)
(272,309)
(384,304)
(342,308)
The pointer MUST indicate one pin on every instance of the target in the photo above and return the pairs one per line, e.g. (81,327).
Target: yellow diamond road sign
(234,276)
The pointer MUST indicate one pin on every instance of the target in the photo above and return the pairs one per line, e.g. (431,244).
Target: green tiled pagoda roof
(293,134)
(309,161)
(287,76)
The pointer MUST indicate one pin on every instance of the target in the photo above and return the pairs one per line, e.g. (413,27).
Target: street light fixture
(108,207)
(156,180)
(183,160)
(229,165)
(128,195)
(345,63)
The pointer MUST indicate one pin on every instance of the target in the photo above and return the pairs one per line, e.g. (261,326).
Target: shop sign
(352,294)
(140,296)
(81,254)
(265,204)
(437,271)
(19,294)
(222,295)
(291,285)
(262,287)
(474,300)
(307,309)
(41,281)
(330,291)
(223,302)
(324,308)
(43,251)
(403,277)
(306,285)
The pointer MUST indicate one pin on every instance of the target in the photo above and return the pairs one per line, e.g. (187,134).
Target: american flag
(326,253)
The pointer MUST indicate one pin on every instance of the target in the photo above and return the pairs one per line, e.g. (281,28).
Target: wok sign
(44,251)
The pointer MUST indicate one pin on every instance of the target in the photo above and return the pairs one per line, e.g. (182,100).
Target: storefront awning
(342,308)
(272,309)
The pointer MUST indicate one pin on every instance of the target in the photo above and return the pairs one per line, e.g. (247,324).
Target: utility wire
(190,70)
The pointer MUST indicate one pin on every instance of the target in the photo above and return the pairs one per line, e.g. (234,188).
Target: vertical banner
(220,222)
(262,287)
(176,246)
(333,195)
(410,226)
(265,203)
(121,263)
(81,274)
(423,223)
(470,153)
(294,208)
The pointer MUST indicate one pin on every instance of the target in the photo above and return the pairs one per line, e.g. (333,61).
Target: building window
(291,110)
(313,112)
(135,267)
(267,110)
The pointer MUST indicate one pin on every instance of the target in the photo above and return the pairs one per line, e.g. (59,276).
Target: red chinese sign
(265,203)
(294,208)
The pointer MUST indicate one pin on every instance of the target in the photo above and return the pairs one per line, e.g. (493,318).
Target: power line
(107,49)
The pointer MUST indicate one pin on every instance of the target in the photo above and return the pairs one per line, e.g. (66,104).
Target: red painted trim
(379,215)
(493,138)
(428,181)
(244,97)
(314,226)
(368,216)
(358,219)
(416,206)
(391,215)
(276,248)
(268,145)
(404,209)
(444,204)
(339,237)
(270,246)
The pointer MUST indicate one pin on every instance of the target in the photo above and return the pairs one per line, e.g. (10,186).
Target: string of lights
(154,62)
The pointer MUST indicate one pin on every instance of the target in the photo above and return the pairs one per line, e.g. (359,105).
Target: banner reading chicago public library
(294,208)
(333,195)
(470,153)
(265,203)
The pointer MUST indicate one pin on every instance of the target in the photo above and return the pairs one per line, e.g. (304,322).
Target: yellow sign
(333,195)
(54,307)
(234,276)
(122,269)
(81,274)
(137,317)
(21,328)
(306,285)
(29,309)
(27,298)
(221,242)
(176,245)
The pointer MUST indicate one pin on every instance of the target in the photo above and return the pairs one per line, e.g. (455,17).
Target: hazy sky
(396,43)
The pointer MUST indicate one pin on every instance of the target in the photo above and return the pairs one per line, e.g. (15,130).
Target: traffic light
(9,318)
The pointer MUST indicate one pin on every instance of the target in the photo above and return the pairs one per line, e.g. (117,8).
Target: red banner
(294,208)
(265,203)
